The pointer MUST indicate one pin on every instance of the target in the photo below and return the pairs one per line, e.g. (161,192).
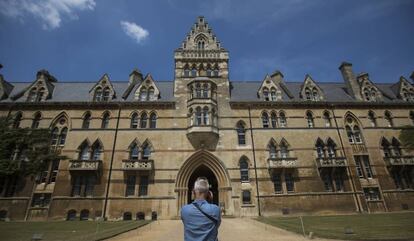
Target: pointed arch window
(372,119)
(144,120)
(386,148)
(96,151)
(84,152)
(146,151)
(388,118)
(265,120)
(282,119)
(134,120)
(241,133)
(198,90)
(284,151)
(308,94)
(331,149)
(134,152)
(198,114)
(62,136)
(315,94)
(272,150)
(86,121)
(205,90)
(194,72)
(153,121)
(98,94)
(320,149)
(357,134)
(327,119)
(244,170)
(54,136)
(106,94)
(17,120)
(36,120)
(396,147)
(353,131)
(143,94)
(309,119)
(273,120)
(105,121)
(186,71)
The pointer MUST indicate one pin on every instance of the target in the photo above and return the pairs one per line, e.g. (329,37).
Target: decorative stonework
(310,90)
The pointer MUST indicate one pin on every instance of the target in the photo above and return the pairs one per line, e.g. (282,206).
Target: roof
(240,91)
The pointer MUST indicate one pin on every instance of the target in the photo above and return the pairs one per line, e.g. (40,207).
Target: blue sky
(80,40)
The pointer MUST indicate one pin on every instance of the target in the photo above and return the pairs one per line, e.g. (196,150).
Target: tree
(407,137)
(24,151)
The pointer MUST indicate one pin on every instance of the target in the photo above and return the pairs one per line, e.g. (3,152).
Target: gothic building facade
(273,147)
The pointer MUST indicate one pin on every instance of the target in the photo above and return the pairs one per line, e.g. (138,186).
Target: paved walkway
(231,229)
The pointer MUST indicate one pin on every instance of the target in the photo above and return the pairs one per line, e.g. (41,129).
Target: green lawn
(365,226)
(65,230)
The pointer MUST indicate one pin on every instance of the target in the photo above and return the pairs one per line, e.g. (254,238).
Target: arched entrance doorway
(203,163)
(203,171)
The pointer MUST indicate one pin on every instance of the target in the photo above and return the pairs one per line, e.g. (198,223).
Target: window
(54,173)
(36,121)
(86,121)
(186,71)
(198,90)
(352,130)
(146,152)
(153,120)
(17,120)
(71,216)
(265,120)
(309,119)
(327,119)
(331,148)
(106,94)
(402,178)
(308,94)
(76,186)
(282,119)
(143,186)
(277,182)
(151,93)
(386,148)
(205,116)
(246,197)
(134,152)
(198,120)
(333,182)
(54,136)
(84,152)
(194,72)
(144,120)
(98,94)
(320,149)
(273,119)
(388,119)
(205,91)
(284,152)
(273,94)
(363,166)
(89,186)
(315,94)
(216,72)
(130,185)
(290,184)
(372,194)
(62,136)
(140,216)
(127,216)
(241,133)
(41,199)
(105,121)
(84,215)
(96,151)
(327,182)
(32,95)
(134,120)
(143,94)
(396,147)
(272,150)
(372,119)
(266,94)
(244,170)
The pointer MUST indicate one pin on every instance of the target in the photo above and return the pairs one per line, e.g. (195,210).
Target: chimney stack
(135,77)
(350,80)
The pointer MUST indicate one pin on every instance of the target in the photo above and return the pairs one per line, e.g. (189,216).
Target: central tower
(201,83)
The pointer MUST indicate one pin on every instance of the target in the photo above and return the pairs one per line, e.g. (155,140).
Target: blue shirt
(197,227)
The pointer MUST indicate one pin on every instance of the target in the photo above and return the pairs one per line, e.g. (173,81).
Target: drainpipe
(356,198)
(255,167)
(111,164)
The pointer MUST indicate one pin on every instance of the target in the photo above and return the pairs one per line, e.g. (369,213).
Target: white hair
(201,185)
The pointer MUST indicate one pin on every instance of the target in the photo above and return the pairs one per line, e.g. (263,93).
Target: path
(231,229)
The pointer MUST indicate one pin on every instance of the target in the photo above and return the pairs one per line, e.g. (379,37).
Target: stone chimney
(350,80)
(277,76)
(135,77)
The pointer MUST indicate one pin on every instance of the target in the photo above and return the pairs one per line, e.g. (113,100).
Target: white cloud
(49,12)
(134,31)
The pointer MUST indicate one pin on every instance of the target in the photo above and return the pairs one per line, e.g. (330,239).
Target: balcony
(205,136)
(85,165)
(287,162)
(399,161)
(137,165)
(331,162)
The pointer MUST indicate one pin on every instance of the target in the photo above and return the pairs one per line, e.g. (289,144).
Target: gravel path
(231,229)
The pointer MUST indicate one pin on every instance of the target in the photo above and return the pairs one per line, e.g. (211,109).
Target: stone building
(270,147)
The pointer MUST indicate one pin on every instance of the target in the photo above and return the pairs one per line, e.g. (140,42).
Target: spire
(201,37)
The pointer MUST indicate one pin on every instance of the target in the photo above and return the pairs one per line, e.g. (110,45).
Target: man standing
(201,219)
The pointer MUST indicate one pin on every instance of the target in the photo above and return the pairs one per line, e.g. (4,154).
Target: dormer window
(266,94)
(98,94)
(143,94)
(36,95)
(370,94)
(106,94)
(273,94)
(311,94)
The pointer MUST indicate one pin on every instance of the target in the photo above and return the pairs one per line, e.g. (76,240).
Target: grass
(386,226)
(65,230)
